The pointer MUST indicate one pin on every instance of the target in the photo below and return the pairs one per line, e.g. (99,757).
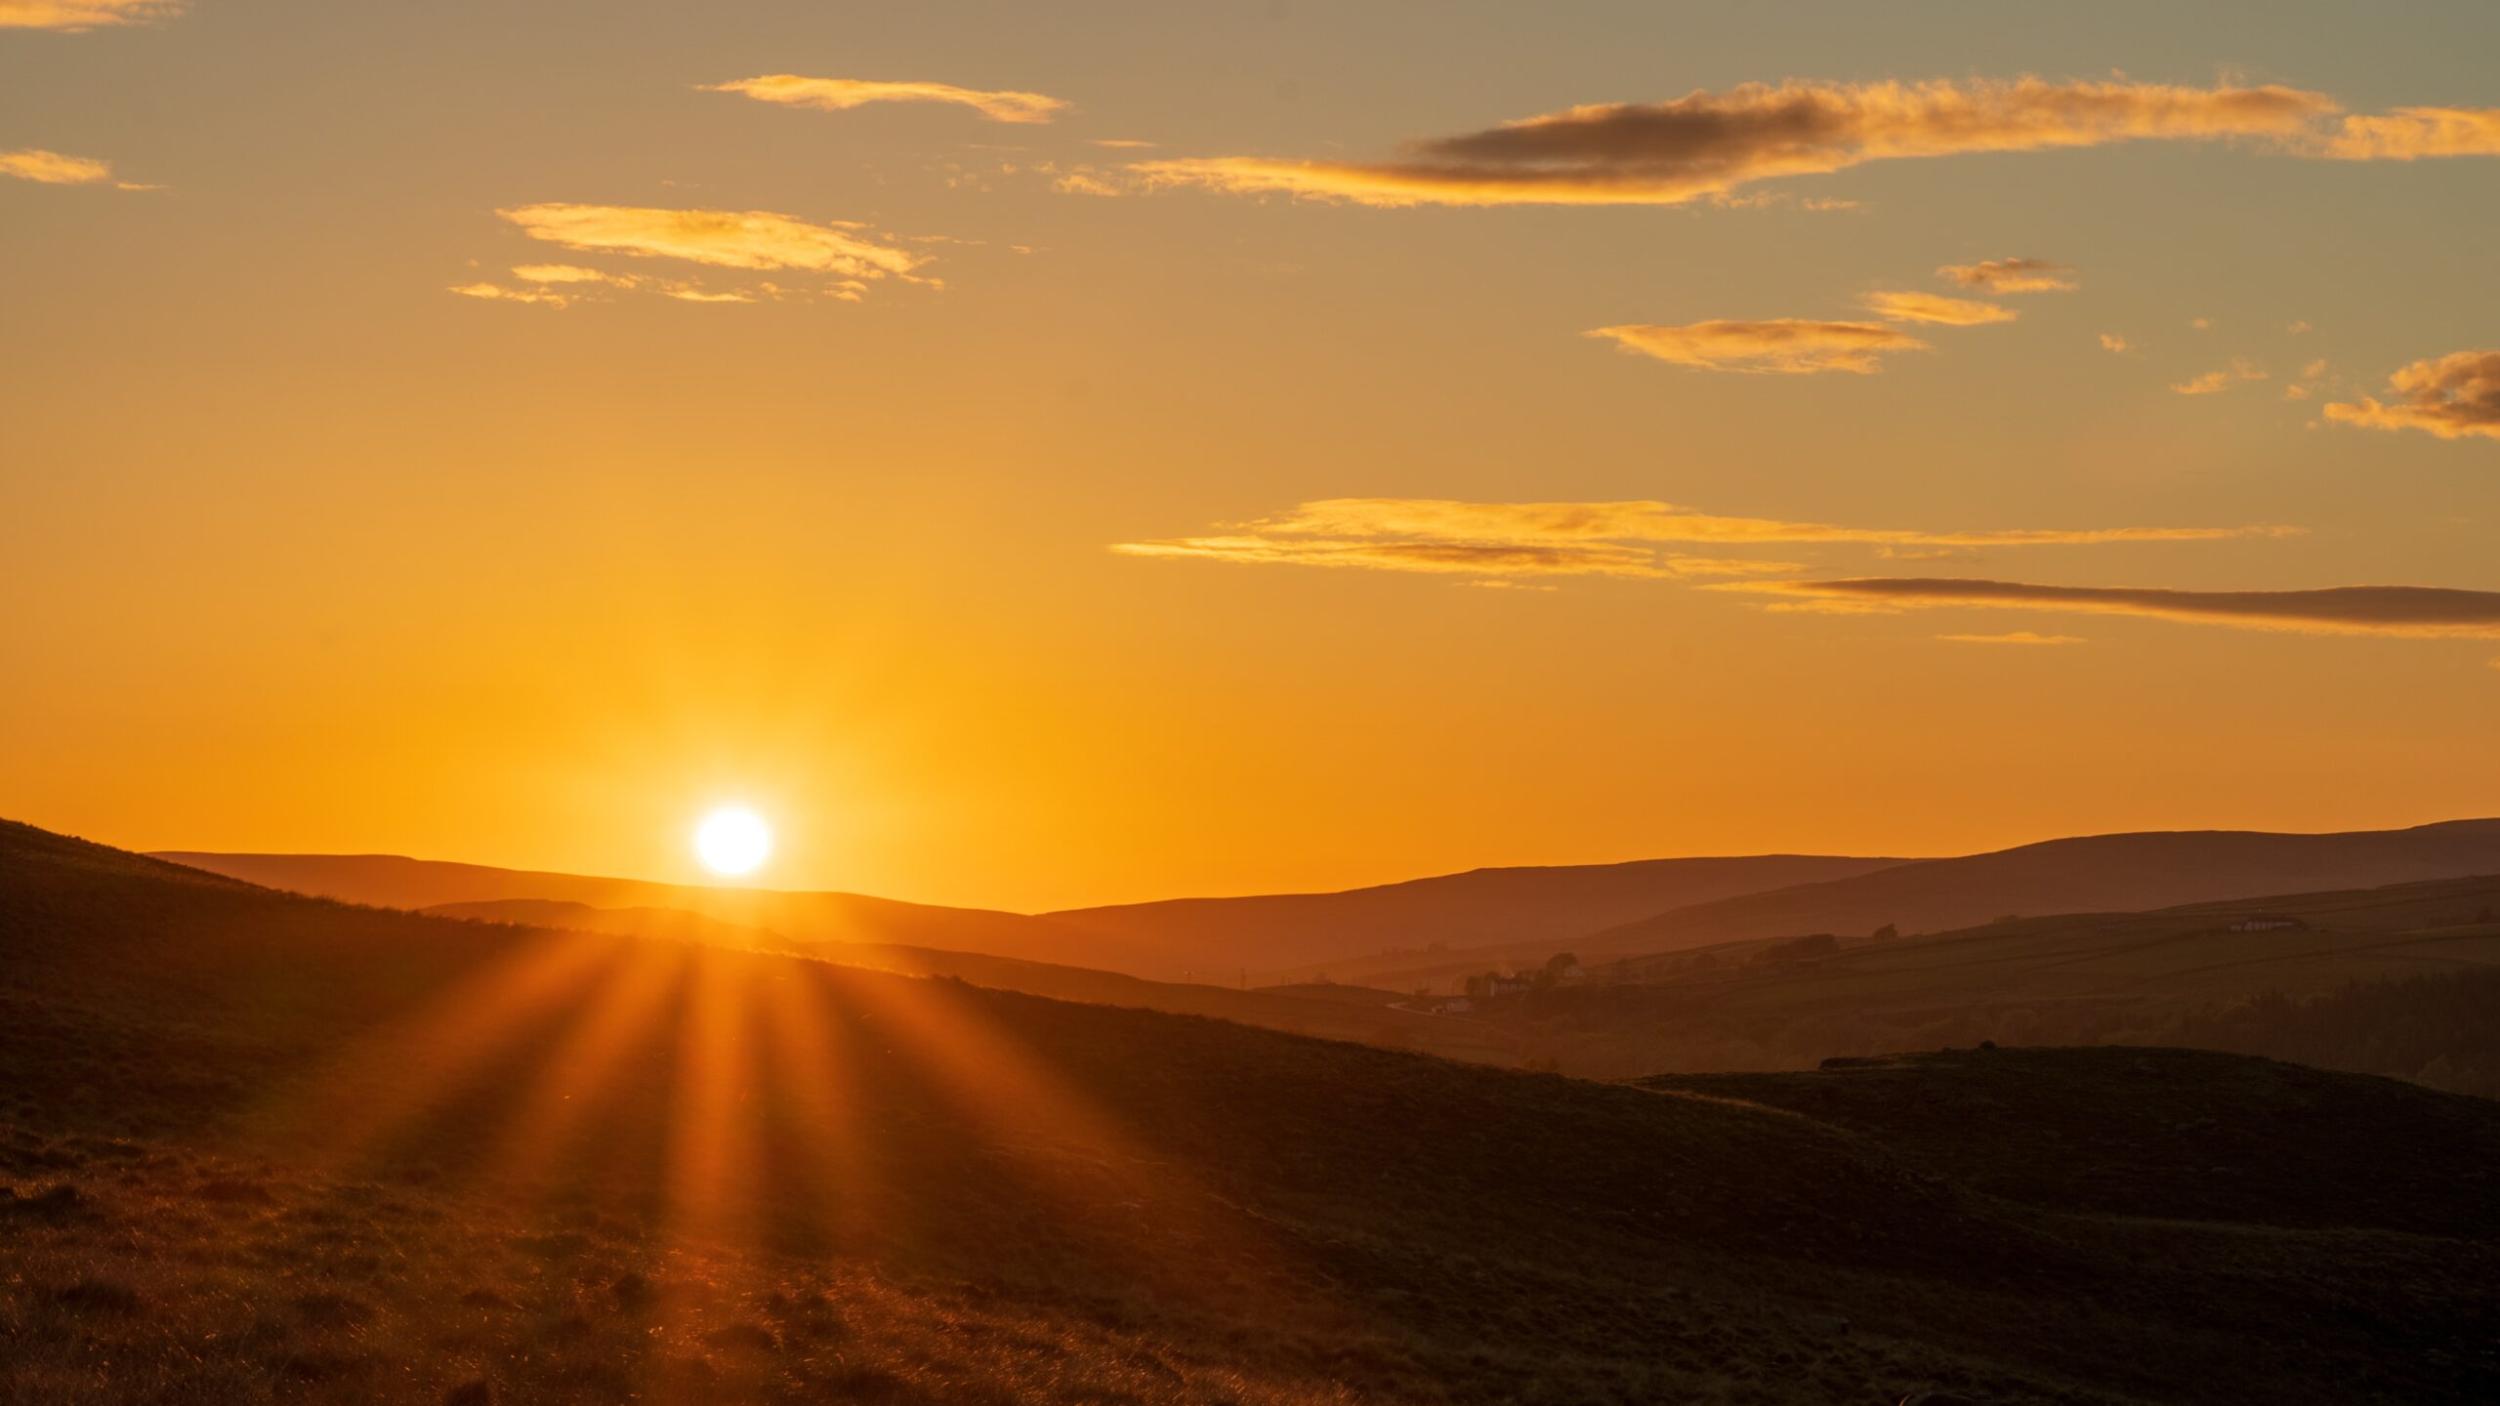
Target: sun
(733,840)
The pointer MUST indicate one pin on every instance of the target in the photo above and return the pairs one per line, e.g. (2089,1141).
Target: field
(2170,976)
(266,1147)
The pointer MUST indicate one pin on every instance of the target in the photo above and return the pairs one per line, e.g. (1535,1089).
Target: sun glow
(733,840)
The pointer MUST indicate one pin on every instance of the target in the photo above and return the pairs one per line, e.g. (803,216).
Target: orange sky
(1040,460)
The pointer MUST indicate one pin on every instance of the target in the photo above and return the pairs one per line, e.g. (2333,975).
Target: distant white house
(2267,922)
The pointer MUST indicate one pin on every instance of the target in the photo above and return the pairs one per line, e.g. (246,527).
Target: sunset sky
(1043,455)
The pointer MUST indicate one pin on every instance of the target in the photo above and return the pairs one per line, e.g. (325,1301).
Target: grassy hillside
(1271,933)
(2111,1131)
(2090,874)
(262,1146)
(2166,976)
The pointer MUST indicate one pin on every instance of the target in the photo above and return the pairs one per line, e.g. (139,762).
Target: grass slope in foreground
(262,1147)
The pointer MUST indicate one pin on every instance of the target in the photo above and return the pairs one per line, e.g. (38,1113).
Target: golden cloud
(1930,307)
(2431,612)
(2214,382)
(1083,182)
(563,285)
(2112,342)
(2450,396)
(1643,520)
(496,293)
(570,273)
(2012,276)
(739,239)
(74,15)
(1621,539)
(1706,144)
(1438,557)
(1780,346)
(53,169)
(2411,133)
(842,94)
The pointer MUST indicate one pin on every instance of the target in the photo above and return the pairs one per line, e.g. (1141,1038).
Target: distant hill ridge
(1433,931)
(2115,873)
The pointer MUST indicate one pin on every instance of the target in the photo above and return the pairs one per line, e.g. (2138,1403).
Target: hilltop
(1554,904)
(263,1143)
(395,881)
(2086,874)
(1436,931)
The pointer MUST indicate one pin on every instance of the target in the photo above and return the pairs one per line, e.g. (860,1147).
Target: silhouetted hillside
(262,1145)
(1205,940)
(1556,904)
(2092,874)
(2182,1134)
(2441,1030)
(2089,874)
(2169,976)
(391,881)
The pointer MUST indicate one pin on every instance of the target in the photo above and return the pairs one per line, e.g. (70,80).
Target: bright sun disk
(733,840)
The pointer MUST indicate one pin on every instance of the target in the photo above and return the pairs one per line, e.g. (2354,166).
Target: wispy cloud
(2017,637)
(2012,276)
(1706,143)
(2240,370)
(564,285)
(2450,396)
(53,169)
(1495,559)
(497,293)
(734,239)
(75,15)
(570,273)
(1083,182)
(2411,133)
(2430,612)
(1624,539)
(1931,307)
(2112,342)
(842,94)
(1782,346)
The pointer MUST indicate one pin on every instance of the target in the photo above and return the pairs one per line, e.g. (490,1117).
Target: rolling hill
(393,881)
(2088,874)
(1219,941)
(259,1145)
(2088,978)
(1554,904)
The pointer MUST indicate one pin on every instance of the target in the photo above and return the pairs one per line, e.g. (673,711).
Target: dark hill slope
(264,1145)
(1267,933)
(2184,1134)
(2092,874)
(2196,975)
